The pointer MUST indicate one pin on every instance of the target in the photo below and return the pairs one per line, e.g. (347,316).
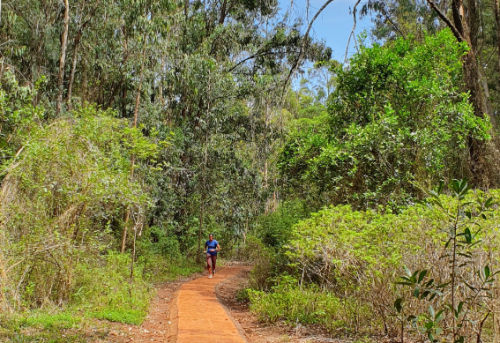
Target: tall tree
(62,58)
(465,29)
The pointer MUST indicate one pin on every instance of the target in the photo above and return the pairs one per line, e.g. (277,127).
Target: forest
(364,192)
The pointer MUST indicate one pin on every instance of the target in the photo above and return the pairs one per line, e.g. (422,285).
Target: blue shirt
(211,246)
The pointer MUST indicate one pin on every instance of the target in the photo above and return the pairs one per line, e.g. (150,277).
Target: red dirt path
(200,316)
(190,311)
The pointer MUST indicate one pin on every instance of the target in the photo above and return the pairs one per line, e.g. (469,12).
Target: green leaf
(443,285)
(397,305)
(489,203)
(486,271)
(421,276)
(439,316)
(440,187)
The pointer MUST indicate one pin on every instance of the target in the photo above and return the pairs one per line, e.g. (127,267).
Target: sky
(334,24)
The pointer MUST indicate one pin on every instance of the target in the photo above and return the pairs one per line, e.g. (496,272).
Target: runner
(211,248)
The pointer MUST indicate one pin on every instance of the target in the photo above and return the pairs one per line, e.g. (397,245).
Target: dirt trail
(185,312)
(200,316)
(201,310)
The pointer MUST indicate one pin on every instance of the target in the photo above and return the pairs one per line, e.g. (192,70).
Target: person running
(211,249)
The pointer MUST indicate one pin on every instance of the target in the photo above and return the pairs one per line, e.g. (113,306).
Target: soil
(158,326)
(174,316)
(255,331)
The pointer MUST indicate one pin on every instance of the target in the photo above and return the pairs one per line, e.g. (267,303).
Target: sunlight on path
(201,318)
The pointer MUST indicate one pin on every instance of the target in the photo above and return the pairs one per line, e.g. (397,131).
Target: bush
(62,203)
(357,256)
(397,117)
(106,291)
(273,229)
(294,304)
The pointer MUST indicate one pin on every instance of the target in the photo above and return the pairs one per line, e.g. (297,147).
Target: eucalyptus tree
(206,76)
(474,24)
(396,119)
(221,74)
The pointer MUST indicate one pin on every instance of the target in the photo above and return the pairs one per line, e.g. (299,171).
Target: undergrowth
(341,270)
(104,292)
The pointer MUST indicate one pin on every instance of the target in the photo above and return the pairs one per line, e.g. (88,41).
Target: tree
(396,119)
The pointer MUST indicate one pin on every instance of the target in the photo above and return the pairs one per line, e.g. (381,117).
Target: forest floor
(199,309)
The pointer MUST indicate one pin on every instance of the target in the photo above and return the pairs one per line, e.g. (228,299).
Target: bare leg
(209,264)
(214,261)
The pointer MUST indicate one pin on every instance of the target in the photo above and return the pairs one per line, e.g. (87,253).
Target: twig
(352,32)
(444,18)
(302,47)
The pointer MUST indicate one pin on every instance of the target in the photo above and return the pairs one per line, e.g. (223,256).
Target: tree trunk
(62,59)
(497,22)
(204,173)
(124,100)
(200,228)
(467,30)
(73,69)
(162,79)
(85,82)
(132,162)
(75,54)
(223,13)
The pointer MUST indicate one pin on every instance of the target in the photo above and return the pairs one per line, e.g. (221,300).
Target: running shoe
(210,276)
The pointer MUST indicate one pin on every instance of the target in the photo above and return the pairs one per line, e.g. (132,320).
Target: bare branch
(444,18)
(303,46)
(353,28)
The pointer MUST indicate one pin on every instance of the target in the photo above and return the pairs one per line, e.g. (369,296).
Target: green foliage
(51,321)
(470,281)
(107,291)
(121,315)
(397,117)
(273,229)
(293,304)
(61,201)
(17,114)
(104,291)
(156,241)
(354,256)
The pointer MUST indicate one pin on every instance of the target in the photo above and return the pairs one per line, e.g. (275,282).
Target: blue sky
(333,25)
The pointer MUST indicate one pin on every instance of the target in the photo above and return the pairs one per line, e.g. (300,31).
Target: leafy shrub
(50,321)
(273,229)
(269,263)
(357,256)
(156,241)
(61,203)
(293,304)
(396,117)
(17,114)
(107,289)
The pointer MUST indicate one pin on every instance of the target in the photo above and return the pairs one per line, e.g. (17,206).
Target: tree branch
(353,28)
(302,47)
(251,57)
(444,18)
